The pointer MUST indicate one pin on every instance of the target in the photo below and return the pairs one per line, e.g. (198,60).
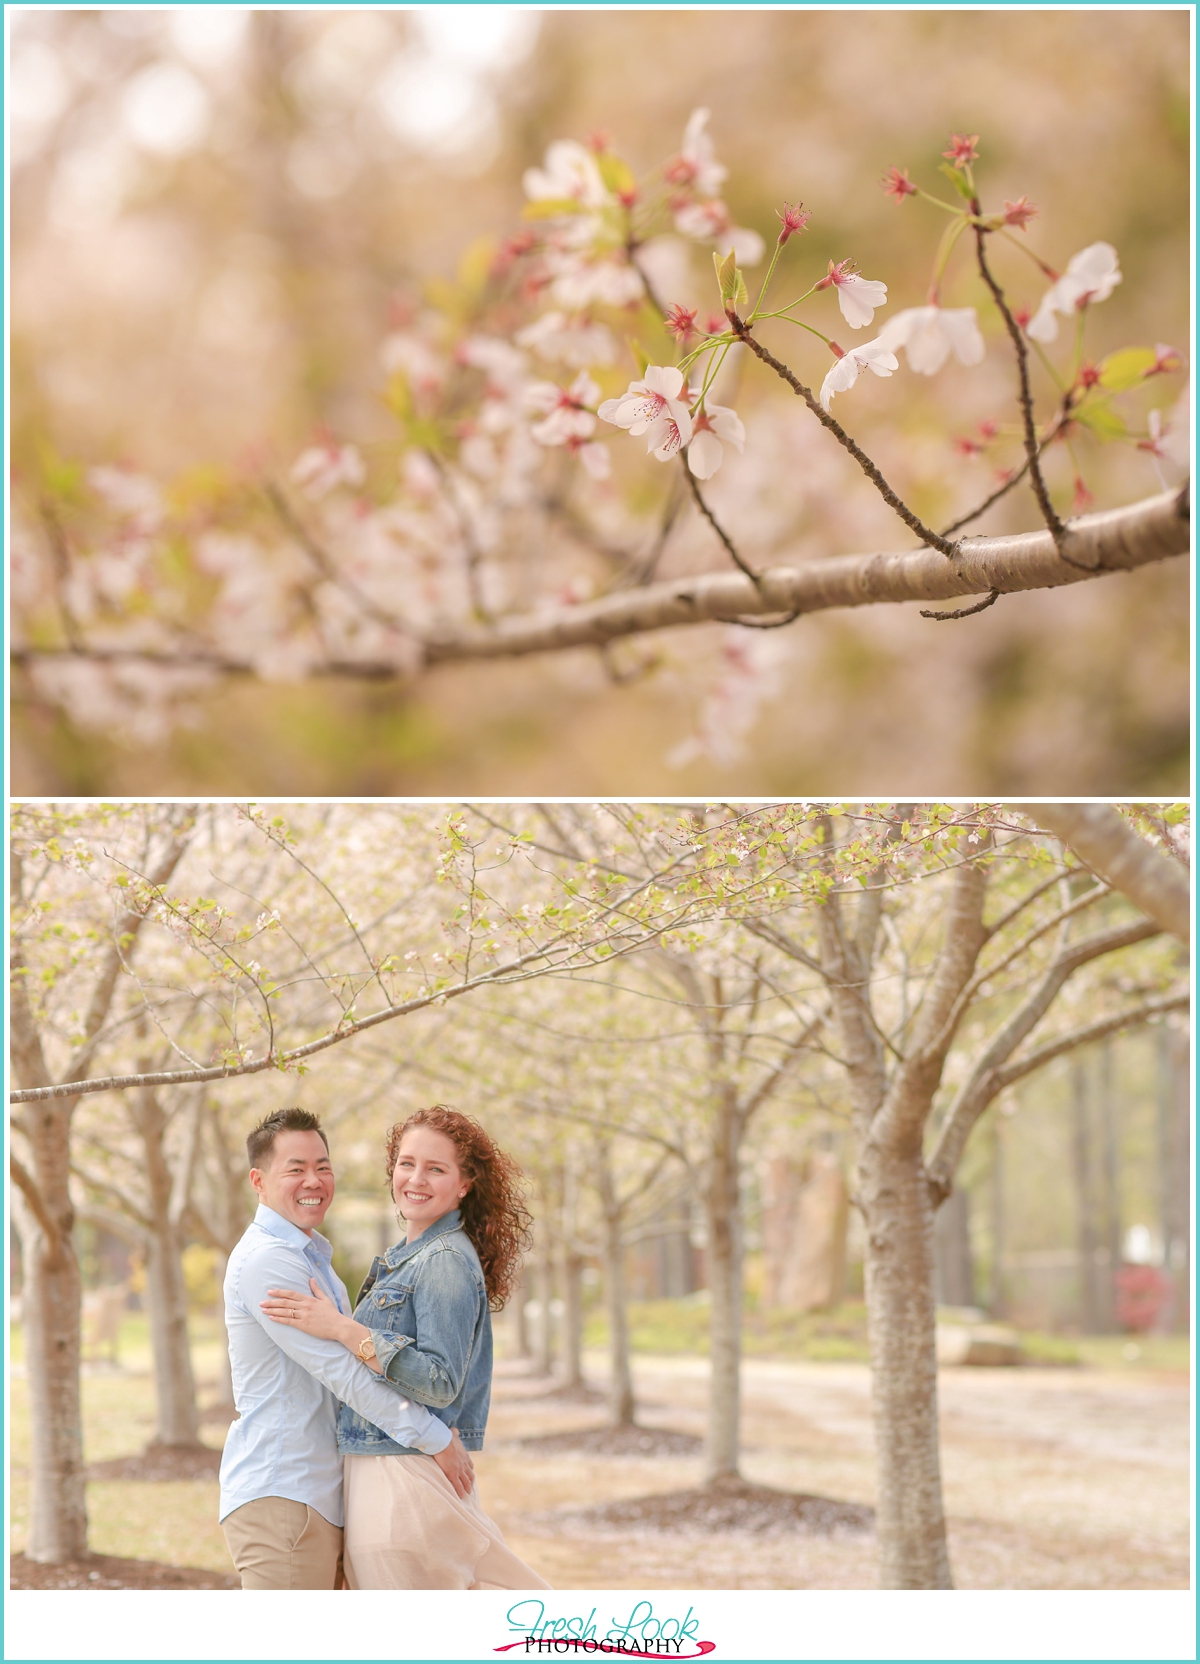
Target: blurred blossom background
(217,215)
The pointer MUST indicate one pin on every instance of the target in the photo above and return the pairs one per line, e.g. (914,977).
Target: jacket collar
(402,1251)
(268,1220)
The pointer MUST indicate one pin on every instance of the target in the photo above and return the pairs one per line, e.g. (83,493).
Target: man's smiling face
(297,1182)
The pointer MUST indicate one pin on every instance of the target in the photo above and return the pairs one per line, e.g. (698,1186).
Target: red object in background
(1142,1293)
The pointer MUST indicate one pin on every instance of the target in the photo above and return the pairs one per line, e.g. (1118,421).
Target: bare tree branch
(1106,843)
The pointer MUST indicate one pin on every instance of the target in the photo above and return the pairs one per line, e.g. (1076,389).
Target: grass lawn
(671,1327)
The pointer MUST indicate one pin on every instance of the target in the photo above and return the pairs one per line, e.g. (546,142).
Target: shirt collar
(451,1221)
(268,1220)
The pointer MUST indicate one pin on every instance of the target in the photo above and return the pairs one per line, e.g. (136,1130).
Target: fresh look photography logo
(643,1634)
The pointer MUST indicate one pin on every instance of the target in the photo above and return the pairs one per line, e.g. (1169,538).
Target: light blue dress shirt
(288,1385)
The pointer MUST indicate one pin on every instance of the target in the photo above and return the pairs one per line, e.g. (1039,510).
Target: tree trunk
(620,1391)
(899,1274)
(1175,1166)
(166,1293)
(952,1236)
(1085,1223)
(996,1290)
(1114,1236)
(50,1305)
(570,1269)
(723,1210)
(545,1289)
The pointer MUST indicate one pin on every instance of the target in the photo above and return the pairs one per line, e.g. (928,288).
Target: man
(281,1472)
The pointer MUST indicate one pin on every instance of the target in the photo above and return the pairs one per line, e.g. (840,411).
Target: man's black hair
(261,1141)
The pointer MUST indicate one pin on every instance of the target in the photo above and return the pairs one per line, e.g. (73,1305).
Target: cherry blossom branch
(982,508)
(935,540)
(694,487)
(320,558)
(1118,540)
(1032,447)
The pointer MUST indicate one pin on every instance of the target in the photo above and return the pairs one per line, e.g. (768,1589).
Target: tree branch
(27,1185)
(980,1087)
(1084,1036)
(1118,540)
(935,540)
(1109,847)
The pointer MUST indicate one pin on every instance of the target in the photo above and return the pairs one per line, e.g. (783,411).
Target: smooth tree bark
(51,1306)
(1116,540)
(1085,1209)
(613,1210)
(1105,841)
(893,1080)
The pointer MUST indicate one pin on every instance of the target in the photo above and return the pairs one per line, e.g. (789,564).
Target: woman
(423,1322)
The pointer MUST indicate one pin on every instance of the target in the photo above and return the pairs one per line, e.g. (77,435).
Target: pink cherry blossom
(931,333)
(653,406)
(322,467)
(962,149)
(571,341)
(897,183)
(1019,213)
(858,297)
(566,413)
(1091,275)
(871,355)
(712,427)
(793,218)
(696,164)
(712,222)
(570,173)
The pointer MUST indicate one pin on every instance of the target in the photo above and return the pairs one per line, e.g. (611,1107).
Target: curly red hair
(493,1213)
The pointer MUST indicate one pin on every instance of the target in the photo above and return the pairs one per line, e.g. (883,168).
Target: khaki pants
(280,1544)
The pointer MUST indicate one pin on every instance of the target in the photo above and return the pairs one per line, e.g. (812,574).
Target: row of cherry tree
(489,524)
(170,961)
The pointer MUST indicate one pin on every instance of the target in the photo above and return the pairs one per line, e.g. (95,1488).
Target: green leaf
(551,208)
(1102,419)
(957,179)
(1126,368)
(640,355)
(617,175)
(730,280)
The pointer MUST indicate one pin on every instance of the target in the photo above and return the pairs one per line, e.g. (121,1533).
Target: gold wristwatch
(366,1349)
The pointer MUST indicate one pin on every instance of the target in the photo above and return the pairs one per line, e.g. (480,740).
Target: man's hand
(455,1463)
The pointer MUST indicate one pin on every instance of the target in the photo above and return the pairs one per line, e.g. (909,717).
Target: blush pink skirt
(408,1528)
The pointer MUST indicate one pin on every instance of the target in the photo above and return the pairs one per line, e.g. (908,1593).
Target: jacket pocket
(391,1305)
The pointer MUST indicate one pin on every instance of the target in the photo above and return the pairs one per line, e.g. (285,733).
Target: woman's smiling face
(427,1181)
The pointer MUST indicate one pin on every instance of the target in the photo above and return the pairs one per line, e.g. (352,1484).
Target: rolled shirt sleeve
(336,1368)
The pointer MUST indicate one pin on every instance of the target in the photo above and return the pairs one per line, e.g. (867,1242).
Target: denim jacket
(426,1306)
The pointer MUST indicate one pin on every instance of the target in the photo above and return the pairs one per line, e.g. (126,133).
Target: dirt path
(1060,1479)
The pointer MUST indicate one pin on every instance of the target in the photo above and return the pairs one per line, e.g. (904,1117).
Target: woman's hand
(316,1314)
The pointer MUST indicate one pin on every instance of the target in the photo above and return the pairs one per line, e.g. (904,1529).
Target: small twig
(982,508)
(1049,514)
(717,527)
(927,535)
(643,574)
(964,612)
(325,564)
